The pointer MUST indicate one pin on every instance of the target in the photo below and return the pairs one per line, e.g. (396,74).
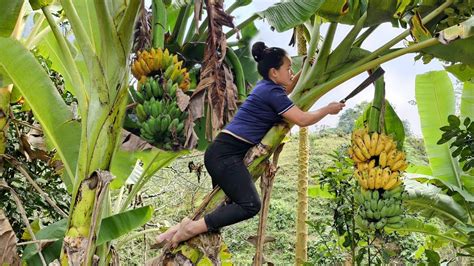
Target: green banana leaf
(435,100)
(458,51)
(462,72)
(429,201)
(393,125)
(10,11)
(419,169)
(49,108)
(124,162)
(120,224)
(51,251)
(111,228)
(412,225)
(467,100)
(287,15)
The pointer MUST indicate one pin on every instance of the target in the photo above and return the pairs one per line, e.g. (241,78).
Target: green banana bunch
(378,209)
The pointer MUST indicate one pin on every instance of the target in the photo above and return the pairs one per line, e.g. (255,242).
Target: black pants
(224,162)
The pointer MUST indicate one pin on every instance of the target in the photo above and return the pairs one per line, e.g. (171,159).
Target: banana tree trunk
(303,160)
(79,241)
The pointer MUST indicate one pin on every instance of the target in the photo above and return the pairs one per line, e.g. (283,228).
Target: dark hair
(267,58)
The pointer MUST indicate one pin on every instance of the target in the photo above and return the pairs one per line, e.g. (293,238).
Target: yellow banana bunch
(156,61)
(377,160)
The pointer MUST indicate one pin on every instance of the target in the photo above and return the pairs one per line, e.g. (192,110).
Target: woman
(267,105)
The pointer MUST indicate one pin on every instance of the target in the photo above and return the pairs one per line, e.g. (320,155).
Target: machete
(370,79)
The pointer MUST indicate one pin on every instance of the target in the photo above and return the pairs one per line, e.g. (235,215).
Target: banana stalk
(303,159)
(160,23)
(376,119)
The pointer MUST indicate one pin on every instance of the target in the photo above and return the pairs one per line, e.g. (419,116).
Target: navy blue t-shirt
(260,111)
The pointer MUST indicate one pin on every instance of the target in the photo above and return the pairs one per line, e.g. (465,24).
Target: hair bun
(258,51)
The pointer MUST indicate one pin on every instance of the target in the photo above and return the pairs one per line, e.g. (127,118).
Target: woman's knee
(254,207)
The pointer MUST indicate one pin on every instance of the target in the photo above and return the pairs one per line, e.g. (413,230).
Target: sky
(400,73)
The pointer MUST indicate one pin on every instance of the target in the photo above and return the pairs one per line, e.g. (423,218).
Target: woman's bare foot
(166,236)
(188,229)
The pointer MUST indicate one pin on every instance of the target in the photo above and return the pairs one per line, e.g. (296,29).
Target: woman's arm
(303,119)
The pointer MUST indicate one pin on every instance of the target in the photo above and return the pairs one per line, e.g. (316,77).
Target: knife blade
(370,79)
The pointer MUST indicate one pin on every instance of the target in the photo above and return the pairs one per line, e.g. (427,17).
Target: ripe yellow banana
(144,66)
(394,175)
(380,144)
(371,164)
(138,70)
(358,133)
(373,143)
(366,139)
(362,166)
(372,177)
(391,157)
(383,159)
(385,175)
(378,179)
(388,146)
(390,183)
(399,165)
(362,181)
(358,154)
(158,58)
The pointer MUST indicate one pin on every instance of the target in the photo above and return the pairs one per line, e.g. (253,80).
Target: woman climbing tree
(267,104)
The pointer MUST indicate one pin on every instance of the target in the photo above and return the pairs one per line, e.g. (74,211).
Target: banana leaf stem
(81,35)
(34,31)
(160,23)
(313,45)
(404,34)
(358,42)
(305,101)
(241,25)
(80,91)
(322,59)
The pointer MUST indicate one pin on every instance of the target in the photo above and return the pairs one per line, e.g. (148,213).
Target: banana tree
(442,182)
(347,59)
(93,59)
